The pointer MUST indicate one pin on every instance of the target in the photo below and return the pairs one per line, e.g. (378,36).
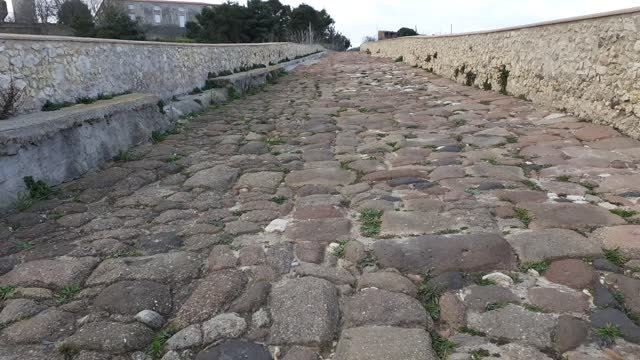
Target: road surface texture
(357,209)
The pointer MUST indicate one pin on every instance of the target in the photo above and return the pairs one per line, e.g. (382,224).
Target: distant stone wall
(589,65)
(60,69)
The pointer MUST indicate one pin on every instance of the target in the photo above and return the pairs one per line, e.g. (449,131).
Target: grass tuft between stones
(441,346)
(338,251)
(523,215)
(609,332)
(371,222)
(67,293)
(5,290)
(429,296)
(157,347)
(624,213)
(615,256)
(540,266)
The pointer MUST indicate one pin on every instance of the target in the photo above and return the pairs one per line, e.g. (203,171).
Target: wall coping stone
(54,38)
(30,128)
(562,21)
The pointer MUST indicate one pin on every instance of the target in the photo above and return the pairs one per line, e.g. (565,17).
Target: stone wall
(63,69)
(589,66)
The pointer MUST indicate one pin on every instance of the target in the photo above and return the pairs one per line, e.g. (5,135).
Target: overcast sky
(358,18)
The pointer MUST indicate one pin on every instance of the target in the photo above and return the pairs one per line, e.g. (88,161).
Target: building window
(157,14)
(182,17)
(132,12)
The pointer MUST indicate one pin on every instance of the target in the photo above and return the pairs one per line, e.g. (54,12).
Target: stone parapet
(588,65)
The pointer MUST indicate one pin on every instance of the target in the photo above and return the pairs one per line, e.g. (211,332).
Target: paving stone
(539,245)
(268,180)
(626,238)
(389,281)
(478,297)
(235,350)
(253,297)
(569,216)
(159,243)
(337,276)
(301,353)
(219,178)
(496,171)
(520,196)
(354,251)
(323,231)
(188,337)
(620,183)
(298,303)
(164,268)
(559,301)
(49,325)
(603,264)
(571,272)
(570,333)
(452,311)
(328,176)
(630,287)
(110,337)
(515,323)
(443,253)
(19,309)
(383,343)
(150,318)
(380,307)
(55,273)
(222,257)
(601,318)
(223,326)
(449,280)
(602,297)
(131,297)
(212,294)
(414,222)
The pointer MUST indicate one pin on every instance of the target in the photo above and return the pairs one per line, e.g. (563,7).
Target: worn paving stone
(131,297)
(111,337)
(323,230)
(337,276)
(19,309)
(569,216)
(305,312)
(443,253)
(213,293)
(384,308)
(629,287)
(571,272)
(515,323)
(219,178)
(626,238)
(478,297)
(559,301)
(329,176)
(383,343)
(163,268)
(540,245)
(56,273)
(235,349)
(49,325)
(389,281)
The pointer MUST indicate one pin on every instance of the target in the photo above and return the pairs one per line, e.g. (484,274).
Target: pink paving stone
(624,237)
(573,273)
(595,132)
(559,301)
(569,216)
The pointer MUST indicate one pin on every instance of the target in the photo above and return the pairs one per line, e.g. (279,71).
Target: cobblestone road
(357,209)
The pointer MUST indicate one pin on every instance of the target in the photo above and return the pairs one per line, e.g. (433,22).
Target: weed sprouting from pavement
(371,222)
